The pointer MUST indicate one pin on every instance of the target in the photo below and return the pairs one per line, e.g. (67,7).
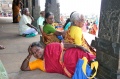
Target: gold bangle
(27,59)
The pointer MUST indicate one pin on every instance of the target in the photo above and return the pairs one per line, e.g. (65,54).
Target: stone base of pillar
(106,73)
(108,57)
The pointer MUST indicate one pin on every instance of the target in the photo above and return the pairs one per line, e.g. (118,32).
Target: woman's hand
(31,17)
(25,64)
(35,28)
(68,45)
(29,50)
(62,45)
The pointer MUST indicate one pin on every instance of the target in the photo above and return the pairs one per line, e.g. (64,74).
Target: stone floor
(15,52)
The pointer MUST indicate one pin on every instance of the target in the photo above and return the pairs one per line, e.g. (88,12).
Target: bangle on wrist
(28,59)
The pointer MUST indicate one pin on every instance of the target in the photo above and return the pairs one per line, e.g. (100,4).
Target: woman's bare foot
(2,47)
(24,35)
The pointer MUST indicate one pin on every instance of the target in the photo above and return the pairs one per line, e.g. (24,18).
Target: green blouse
(48,28)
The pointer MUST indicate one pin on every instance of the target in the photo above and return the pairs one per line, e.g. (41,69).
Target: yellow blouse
(74,35)
(37,64)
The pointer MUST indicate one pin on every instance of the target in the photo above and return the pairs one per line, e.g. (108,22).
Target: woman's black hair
(36,44)
(16,2)
(72,13)
(68,20)
(46,16)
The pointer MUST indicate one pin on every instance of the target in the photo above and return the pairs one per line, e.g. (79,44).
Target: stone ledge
(107,47)
(108,58)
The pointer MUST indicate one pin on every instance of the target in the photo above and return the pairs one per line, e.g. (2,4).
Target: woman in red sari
(54,59)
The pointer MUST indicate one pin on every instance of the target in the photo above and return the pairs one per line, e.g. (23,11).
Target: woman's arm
(32,26)
(25,64)
(51,29)
(60,33)
(31,17)
(68,45)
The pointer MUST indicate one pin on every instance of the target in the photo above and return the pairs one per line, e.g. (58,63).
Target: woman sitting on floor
(74,34)
(50,34)
(54,59)
(25,25)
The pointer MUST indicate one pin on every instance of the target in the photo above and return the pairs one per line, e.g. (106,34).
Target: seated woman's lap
(31,30)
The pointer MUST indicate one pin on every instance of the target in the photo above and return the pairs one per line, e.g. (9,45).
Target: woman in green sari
(50,34)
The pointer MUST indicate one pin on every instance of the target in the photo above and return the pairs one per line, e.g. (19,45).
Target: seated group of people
(63,48)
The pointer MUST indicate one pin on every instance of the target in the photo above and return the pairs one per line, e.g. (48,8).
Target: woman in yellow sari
(74,34)
(16,6)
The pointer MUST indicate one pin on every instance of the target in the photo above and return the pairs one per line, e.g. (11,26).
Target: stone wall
(110,20)
(108,58)
(108,43)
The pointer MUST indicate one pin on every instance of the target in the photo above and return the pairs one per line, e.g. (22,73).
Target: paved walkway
(16,51)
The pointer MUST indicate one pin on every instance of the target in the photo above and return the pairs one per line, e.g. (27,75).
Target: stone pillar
(30,6)
(24,1)
(36,11)
(53,6)
(108,43)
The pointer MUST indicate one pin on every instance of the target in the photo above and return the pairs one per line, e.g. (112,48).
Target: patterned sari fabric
(16,10)
(69,39)
(49,38)
(48,34)
(93,29)
(63,62)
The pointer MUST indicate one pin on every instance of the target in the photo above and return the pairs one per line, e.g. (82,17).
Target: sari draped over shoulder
(16,10)
(80,39)
(49,38)
(48,34)
(57,61)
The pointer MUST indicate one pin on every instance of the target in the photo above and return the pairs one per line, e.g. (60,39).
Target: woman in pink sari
(54,59)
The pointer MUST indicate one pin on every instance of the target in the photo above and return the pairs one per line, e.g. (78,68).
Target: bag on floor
(84,70)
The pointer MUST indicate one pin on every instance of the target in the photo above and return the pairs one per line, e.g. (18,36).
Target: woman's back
(74,35)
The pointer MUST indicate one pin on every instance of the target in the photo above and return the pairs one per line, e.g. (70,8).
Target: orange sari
(16,10)
(93,29)
(69,39)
